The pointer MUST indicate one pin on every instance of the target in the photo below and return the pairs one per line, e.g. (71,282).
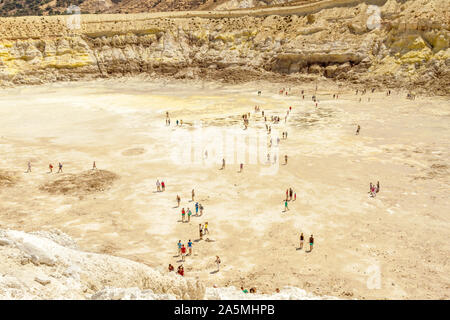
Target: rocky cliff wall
(409,49)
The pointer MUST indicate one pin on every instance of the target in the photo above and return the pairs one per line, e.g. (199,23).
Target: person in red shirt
(163,186)
(50,166)
(183,252)
(183,214)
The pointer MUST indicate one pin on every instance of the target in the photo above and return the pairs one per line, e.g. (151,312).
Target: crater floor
(392,246)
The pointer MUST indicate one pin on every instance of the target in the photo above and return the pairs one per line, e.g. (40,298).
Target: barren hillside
(340,39)
(55,7)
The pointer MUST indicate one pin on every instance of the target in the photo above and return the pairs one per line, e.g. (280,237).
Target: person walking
(179,247)
(60,167)
(183,252)
(163,186)
(218,263)
(196,209)
(200,230)
(158,185)
(29,166)
(50,166)
(94,166)
(311,243)
(205,229)
(302,239)
(285,159)
(189,215)
(372,190)
(286,208)
(183,215)
(201,209)
(358,129)
(193,194)
(178,200)
(190,247)
(181,270)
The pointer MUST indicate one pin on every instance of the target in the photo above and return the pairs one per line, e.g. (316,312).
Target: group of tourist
(290,194)
(284,91)
(203,230)
(302,240)
(50,167)
(252,290)
(182,249)
(160,186)
(180,270)
(189,213)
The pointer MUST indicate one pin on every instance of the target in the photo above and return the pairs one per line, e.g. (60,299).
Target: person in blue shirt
(190,247)
(179,247)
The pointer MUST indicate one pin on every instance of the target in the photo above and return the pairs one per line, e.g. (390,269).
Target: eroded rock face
(34,266)
(406,50)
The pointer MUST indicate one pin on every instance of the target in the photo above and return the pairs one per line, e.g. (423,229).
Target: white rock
(42,280)
(5,242)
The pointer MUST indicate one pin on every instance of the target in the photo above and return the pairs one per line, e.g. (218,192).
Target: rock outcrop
(407,46)
(37,266)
